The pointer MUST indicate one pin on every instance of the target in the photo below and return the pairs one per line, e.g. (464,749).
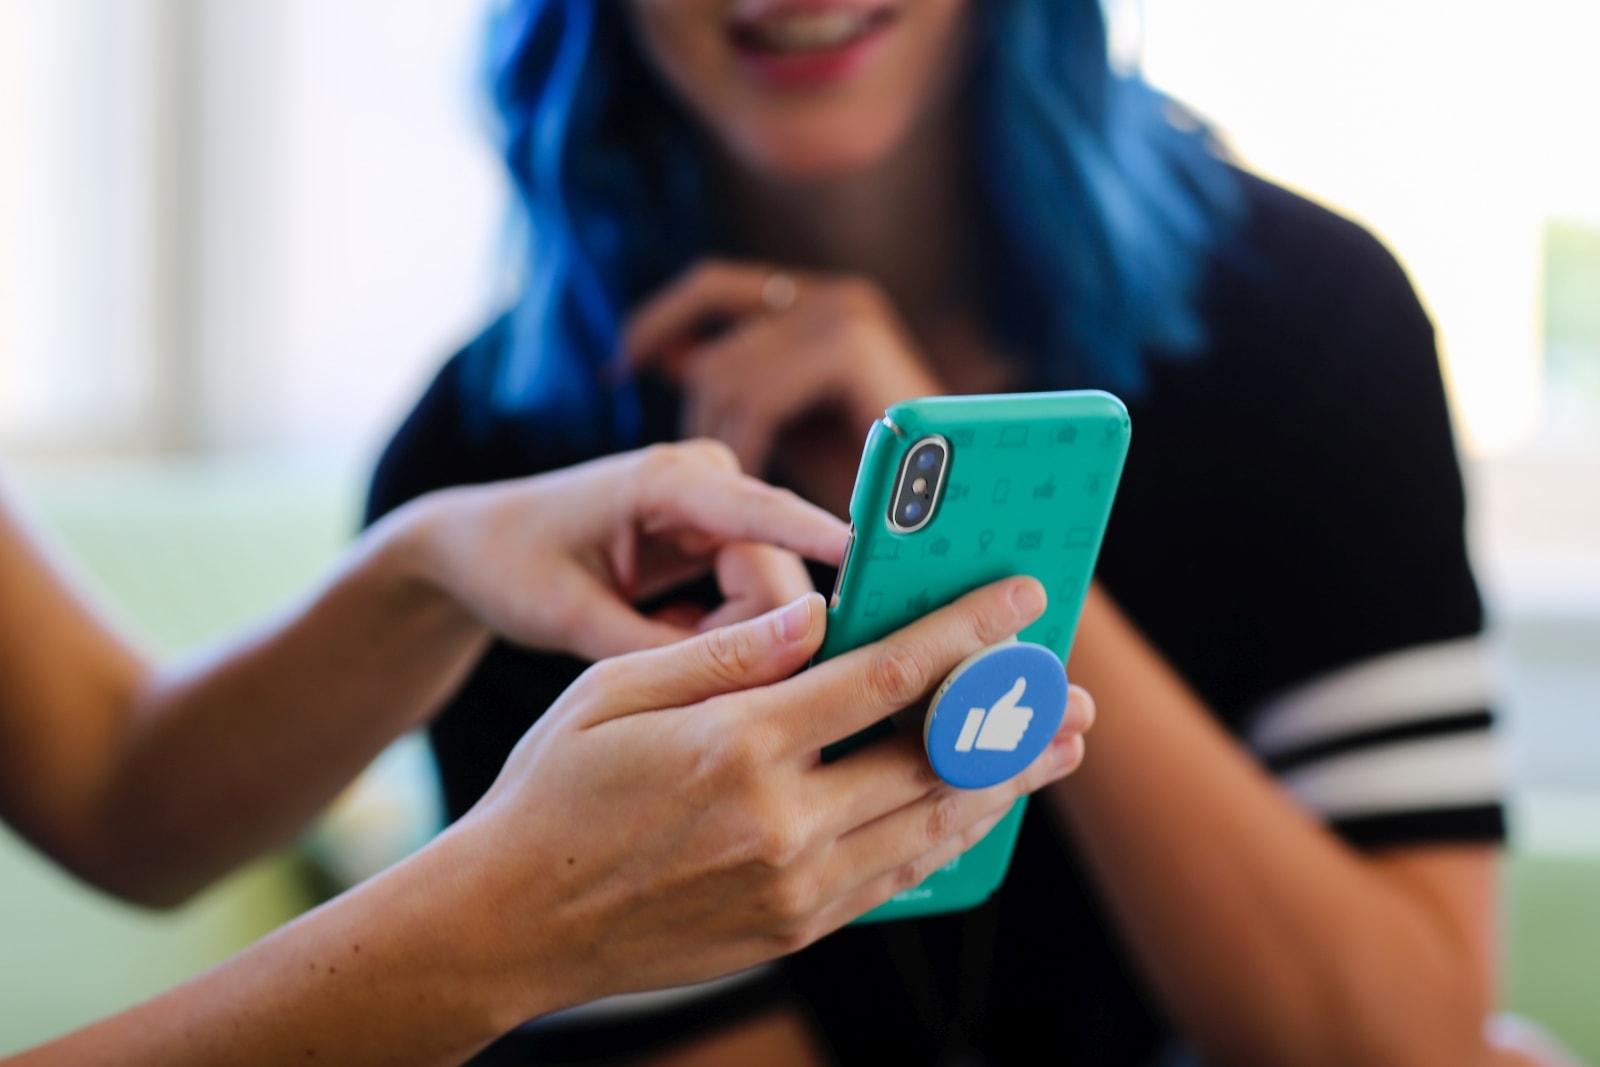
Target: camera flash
(920,485)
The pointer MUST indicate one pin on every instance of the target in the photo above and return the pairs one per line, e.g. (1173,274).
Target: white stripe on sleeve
(1450,770)
(1414,683)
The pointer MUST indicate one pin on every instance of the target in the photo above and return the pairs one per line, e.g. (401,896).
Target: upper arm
(66,683)
(1388,729)
(1459,884)
(1379,710)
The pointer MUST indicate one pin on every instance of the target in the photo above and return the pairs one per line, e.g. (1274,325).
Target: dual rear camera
(921,478)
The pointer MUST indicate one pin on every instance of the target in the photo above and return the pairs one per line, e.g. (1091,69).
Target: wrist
(511,969)
(414,963)
(411,560)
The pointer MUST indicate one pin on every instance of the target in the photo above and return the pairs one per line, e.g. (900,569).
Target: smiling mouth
(802,32)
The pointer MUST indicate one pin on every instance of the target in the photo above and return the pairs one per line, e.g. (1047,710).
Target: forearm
(401,970)
(1267,938)
(225,757)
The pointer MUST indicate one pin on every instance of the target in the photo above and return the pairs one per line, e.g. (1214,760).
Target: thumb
(757,652)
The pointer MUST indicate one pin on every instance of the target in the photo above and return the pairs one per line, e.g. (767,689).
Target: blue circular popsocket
(995,713)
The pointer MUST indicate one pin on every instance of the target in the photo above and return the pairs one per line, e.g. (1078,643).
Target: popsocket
(995,713)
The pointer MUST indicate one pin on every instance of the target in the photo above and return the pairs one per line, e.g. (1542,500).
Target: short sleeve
(1391,739)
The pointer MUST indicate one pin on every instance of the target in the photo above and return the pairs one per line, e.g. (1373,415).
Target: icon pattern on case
(1041,489)
(1019,510)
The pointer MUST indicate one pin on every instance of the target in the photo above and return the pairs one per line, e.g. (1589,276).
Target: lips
(798,46)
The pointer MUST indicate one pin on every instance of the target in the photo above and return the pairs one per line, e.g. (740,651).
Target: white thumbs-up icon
(1000,729)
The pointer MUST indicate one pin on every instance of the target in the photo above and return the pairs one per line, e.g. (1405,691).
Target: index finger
(729,506)
(711,288)
(843,696)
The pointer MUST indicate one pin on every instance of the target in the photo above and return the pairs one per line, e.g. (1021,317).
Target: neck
(898,222)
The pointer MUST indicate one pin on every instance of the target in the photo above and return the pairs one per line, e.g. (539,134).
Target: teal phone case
(1027,490)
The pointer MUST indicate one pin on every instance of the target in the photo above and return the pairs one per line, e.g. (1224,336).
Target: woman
(764,221)
(668,820)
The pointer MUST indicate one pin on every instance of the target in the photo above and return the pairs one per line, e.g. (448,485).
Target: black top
(1289,533)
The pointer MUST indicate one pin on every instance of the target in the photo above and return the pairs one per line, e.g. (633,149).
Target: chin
(816,151)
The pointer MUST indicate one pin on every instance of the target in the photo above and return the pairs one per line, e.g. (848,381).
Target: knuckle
(729,653)
(742,764)
(908,876)
(597,680)
(792,900)
(780,843)
(943,818)
(789,939)
(707,271)
(715,452)
(658,460)
(863,296)
(746,763)
(832,298)
(992,620)
(897,675)
(980,829)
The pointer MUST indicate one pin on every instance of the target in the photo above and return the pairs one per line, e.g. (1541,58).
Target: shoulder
(1312,448)
(1306,246)
(1301,278)
(1291,531)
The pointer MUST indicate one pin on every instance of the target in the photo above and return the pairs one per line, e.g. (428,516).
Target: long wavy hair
(1102,203)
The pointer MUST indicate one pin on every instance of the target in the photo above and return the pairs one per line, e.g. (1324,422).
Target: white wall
(393,205)
(1453,127)
(236,223)
(356,227)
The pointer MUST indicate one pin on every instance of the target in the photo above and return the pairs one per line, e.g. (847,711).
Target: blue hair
(1104,210)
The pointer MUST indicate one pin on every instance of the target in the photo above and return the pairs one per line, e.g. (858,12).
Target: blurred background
(237,236)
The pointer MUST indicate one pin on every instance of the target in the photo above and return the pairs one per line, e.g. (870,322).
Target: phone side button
(844,565)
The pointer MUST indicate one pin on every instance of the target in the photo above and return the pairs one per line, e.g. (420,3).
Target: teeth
(811,31)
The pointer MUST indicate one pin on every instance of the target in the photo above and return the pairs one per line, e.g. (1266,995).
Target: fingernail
(794,620)
(1027,596)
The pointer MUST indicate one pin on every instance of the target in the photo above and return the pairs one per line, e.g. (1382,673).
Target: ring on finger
(779,291)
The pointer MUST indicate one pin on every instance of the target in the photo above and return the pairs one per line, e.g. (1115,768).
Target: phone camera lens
(912,510)
(926,459)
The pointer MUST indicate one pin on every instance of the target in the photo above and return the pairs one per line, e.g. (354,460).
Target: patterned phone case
(1027,490)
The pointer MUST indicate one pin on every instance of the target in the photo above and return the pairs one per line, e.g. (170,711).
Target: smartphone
(954,493)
